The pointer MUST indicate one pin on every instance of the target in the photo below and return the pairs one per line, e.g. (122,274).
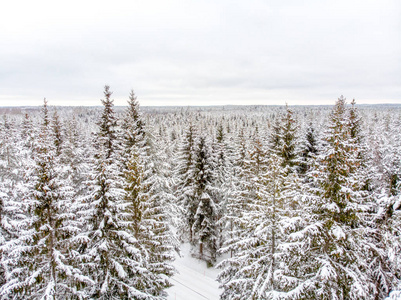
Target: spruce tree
(283,138)
(204,229)
(256,269)
(378,214)
(16,166)
(310,149)
(133,149)
(251,272)
(222,180)
(75,156)
(10,213)
(39,261)
(185,193)
(289,136)
(113,257)
(237,197)
(156,238)
(57,132)
(27,132)
(145,204)
(325,256)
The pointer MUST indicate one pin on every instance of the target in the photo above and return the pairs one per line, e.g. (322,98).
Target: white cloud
(200,52)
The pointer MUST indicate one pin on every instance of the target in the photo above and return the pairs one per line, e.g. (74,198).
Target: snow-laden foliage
(39,260)
(255,268)
(299,202)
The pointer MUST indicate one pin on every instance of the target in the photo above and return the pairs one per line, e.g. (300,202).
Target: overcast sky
(203,52)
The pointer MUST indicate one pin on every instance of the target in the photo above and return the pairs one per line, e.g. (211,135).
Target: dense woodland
(289,202)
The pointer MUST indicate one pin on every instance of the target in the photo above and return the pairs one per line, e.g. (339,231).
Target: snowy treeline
(304,202)
(82,217)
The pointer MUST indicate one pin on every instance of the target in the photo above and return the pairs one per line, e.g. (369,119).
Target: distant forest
(289,202)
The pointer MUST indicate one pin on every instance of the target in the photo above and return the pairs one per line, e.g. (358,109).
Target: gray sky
(200,52)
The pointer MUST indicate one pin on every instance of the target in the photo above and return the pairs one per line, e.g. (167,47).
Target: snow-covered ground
(396,295)
(193,280)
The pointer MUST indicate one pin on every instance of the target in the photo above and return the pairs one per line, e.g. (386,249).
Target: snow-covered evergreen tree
(57,132)
(39,261)
(185,182)
(16,166)
(143,193)
(255,270)
(75,157)
(222,180)
(309,149)
(324,257)
(122,196)
(204,228)
(113,257)
(382,218)
(10,211)
(287,136)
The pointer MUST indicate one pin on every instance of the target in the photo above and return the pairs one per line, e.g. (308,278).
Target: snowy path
(194,280)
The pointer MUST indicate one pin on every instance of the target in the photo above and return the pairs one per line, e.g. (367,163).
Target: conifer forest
(288,202)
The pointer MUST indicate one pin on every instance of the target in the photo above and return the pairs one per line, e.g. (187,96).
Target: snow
(396,295)
(194,280)
(397,204)
(338,233)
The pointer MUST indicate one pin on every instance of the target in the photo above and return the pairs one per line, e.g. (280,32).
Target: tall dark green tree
(204,227)
(310,149)
(185,186)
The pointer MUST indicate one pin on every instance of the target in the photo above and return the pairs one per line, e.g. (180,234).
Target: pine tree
(251,165)
(7,148)
(118,200)
(133,125)
(141,276)
(379,212)
(27,131)
(382,163)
